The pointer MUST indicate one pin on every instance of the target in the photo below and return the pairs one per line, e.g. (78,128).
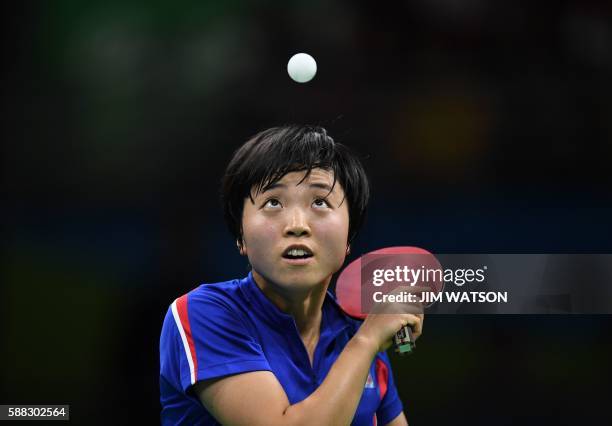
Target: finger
(416,324)
(420,329)
(402,299)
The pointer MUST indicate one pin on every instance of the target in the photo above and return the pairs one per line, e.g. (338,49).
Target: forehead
(316,175)
(317,178)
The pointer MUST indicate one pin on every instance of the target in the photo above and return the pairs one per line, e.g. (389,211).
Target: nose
(297,223)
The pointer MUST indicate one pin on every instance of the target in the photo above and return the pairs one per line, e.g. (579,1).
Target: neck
(304,307)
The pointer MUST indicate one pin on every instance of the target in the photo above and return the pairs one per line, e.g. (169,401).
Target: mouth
(298,254)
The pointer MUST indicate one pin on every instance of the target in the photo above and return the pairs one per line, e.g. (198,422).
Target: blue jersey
(230,328)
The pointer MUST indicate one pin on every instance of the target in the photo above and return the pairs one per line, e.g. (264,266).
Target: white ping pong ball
(302,67)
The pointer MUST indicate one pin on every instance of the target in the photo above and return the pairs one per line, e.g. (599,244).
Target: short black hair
(269,155)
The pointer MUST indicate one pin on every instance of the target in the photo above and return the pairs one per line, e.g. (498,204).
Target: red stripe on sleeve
(382,377)
(181,307)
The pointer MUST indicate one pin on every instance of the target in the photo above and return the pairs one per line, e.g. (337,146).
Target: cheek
(334,234)
(258,233)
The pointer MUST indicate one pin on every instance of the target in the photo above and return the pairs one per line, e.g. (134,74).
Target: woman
(274,348)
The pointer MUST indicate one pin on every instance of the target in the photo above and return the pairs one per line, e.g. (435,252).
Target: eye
(321,203)
(272,203)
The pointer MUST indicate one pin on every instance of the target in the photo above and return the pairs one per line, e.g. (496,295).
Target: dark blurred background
(485,127)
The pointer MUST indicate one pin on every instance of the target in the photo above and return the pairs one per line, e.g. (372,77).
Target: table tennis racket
(349,285)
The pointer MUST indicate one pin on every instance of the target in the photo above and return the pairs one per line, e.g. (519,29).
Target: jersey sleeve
(390,405)
(203,337)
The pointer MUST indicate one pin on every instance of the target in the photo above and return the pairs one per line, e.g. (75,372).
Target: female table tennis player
(274,348)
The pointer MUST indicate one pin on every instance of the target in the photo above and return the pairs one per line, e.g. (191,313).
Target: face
(295,234)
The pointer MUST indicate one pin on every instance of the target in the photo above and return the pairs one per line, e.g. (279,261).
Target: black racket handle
(403,340)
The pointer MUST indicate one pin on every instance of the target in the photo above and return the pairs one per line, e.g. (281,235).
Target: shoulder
(210,295)
(222,292)
(209,300)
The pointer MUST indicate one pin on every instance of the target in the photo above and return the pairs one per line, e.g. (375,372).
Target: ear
(241,247)
(348,249)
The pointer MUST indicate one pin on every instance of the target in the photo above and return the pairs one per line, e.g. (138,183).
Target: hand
(418,329)
(379,329)
(386,319)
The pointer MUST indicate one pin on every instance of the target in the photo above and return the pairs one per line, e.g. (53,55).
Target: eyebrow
(312,185)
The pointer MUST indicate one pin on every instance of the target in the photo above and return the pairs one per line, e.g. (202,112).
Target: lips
(298,253)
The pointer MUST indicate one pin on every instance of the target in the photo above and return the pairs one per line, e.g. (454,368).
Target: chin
(301,280)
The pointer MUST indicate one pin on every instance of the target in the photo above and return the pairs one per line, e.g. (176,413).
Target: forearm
(336,399)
